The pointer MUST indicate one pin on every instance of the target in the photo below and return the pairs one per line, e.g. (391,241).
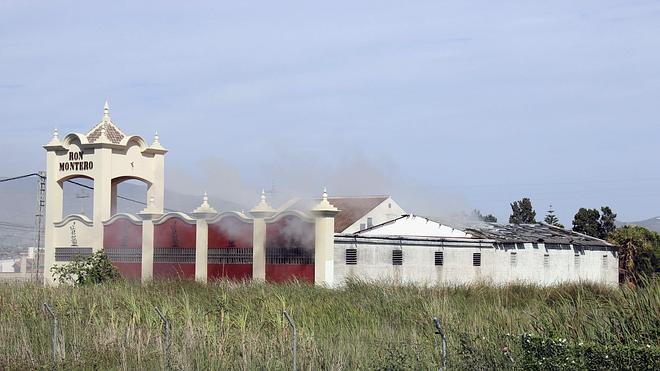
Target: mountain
(652,224)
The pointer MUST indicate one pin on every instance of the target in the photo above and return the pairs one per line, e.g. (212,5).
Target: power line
(20,177)
(78,184)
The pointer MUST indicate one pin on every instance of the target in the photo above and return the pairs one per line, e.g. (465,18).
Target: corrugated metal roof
(534,233)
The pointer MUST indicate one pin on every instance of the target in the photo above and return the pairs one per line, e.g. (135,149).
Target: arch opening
(128,195)
(77,196)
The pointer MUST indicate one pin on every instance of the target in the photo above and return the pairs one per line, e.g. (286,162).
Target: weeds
(227,325)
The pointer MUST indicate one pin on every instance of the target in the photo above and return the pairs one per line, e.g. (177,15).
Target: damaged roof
(544,233)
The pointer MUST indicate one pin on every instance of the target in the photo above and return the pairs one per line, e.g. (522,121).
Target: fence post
(295,338)
(53,335)
(439,331)
(166,335)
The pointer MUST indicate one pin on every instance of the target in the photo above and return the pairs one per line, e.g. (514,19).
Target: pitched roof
(111,131)
(413,225)
(351,209)
(534,233)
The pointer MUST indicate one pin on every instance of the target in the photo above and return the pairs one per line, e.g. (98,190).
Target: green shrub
(94,269)
(558,354)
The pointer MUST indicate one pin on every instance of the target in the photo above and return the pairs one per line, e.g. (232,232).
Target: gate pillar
(261,211)
(324,243)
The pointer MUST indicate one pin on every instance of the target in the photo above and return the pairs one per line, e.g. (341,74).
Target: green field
(362,326)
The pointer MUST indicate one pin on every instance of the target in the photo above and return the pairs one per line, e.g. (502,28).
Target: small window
(362,226)
(351,256)
(389,206)
(397,257)
(546,260)
(370,222)
(439,258)
(514,259)
(476,259)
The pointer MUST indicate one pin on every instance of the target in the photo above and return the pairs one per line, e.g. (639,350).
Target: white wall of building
(530,265)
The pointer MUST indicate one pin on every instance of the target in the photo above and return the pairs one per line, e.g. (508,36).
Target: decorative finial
(204,210)
(106,112)
(56,134)
(156,137)
(262,209)
(324,207)
(205,200)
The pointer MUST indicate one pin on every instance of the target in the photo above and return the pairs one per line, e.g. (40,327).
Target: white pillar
(261,211)
(324,243)
(202,251)
(259,250)
(147,250)
(202,214)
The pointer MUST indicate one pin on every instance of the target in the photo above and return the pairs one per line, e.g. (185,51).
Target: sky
(445,105)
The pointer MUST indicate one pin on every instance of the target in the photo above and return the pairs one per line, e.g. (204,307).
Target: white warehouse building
(414,249)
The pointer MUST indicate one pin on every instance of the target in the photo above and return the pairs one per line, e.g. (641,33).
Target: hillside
(652,224)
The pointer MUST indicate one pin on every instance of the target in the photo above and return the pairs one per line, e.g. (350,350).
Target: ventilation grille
(65,254)
(476,259)
(604,261)
(174,255)
(514,259)
(546,260)
(241,255)
(439,258)
(397,257)
(351,256)
(124,254)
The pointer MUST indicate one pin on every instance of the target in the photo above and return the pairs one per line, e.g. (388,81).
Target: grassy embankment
(233,326)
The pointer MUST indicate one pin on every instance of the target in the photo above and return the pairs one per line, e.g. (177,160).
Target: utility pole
(41,204)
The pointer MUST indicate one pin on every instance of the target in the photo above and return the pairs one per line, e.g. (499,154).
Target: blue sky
(445,105)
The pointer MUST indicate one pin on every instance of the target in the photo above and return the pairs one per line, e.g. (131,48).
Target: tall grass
(361,326)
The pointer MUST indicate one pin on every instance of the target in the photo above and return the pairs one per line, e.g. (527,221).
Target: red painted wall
(296,236)
(230,233)
(177,236)
(290,272)
(122,234)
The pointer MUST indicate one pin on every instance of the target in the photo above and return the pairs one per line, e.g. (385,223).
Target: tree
(490,218)
(607,218)
(639,253)
(587,221)
(476,215)
(551,218)
(522,212)
(94,269)
(592,223)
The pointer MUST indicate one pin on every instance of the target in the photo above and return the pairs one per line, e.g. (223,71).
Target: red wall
(296,237)
(123,234)
(177,239)
(230,233)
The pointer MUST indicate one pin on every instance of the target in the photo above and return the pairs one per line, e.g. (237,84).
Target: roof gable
(351,209)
